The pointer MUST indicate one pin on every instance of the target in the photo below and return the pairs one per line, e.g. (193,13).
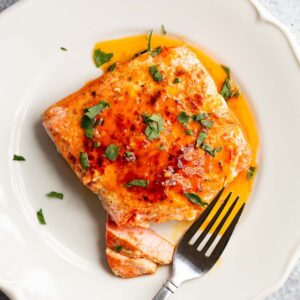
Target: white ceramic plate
(65,259)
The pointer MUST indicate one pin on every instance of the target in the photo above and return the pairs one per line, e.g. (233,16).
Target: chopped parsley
(206,123)
(155,51)
(93,111)
(155,126)
(202,136)
(100,57)
(84,160)
(41,217)
(129,154)
(227,90)
(54,194)
(89,133)
(194,198)
(149,41)
(96,144)
(111,152)
(156,75)
(112,67)
(118,248)
(176,80)
(211,150)
(63,49)
(161,147)
(138,182)
(200,117)
(189,131)
(98,122)
(18,157)
(227,70)
(183,118)
(163,29)
(250,172)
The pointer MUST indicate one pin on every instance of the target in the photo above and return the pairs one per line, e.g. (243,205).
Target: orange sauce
(123,50)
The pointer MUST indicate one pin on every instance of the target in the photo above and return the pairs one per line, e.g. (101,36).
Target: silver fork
(197,251)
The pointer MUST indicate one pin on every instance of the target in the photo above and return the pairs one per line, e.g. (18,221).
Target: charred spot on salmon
(112,67)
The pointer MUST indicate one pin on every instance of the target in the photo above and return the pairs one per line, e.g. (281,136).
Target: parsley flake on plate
(250,172)
(41,217)
(100,57)
(163,29)
(18,157)
(149,41)
(54,194)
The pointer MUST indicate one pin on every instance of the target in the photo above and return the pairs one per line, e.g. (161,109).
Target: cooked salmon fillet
(128,267)
(163,131)
(138,243)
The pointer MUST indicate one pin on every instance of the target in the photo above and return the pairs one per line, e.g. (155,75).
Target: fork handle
(166,291)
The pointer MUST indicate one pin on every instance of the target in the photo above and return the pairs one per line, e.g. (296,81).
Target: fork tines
(212,244)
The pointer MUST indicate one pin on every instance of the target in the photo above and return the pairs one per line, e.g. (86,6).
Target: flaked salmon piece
(165,158)
(128,267)
(138,242)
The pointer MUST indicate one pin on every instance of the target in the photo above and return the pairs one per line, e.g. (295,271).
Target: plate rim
(264,16)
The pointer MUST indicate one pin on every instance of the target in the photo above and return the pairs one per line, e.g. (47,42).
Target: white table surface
(287,11)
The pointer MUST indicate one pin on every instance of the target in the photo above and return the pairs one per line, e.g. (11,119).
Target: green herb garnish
(163,29)
(202,136)
(183,118)
(227,70)
(18,157)
(101,57)
(200,117)
(250,172)
(226,89)
(176,80)
(129,154)
(149,41)
(112,67)
(155,51)
(207,123)
(118,248)
(189,131)
(96,144)
(161,147)
(211,150)
(41,217)
(111,152)
(156,75)
(89,133)
(54,194)
(93,111)
(137,182)
(195,199)
(84,160)
(155,126)
(63,49)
